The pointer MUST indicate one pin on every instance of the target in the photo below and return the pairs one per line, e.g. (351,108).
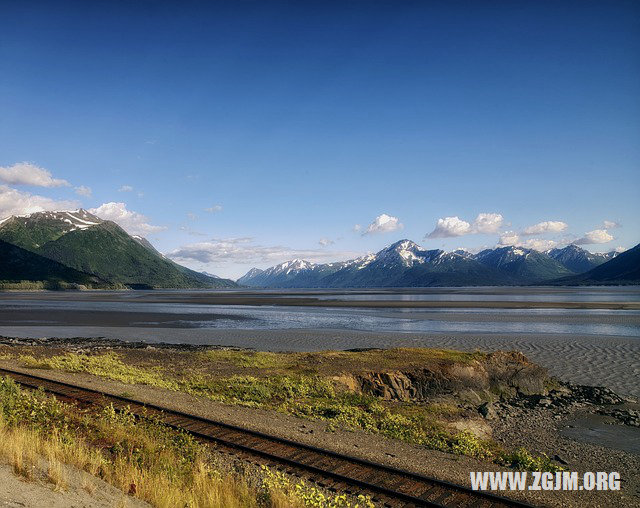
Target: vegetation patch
(310,396)
(254,359)
(141,457)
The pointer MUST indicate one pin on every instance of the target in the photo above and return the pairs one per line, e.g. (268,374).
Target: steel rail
(449,490)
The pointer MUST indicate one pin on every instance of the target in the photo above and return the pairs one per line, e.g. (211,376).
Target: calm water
(59,316)
(572,295)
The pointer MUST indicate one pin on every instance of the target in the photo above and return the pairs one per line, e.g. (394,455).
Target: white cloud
(15,202)
(82,190)
(620,249)
(609,224)
(192,216)
(595,236)
(509,238)
(549,226)
(26,173)
(214,209)
(132,222)
(125,188)
(384,224)
(539,244)
(357,227)
(245,251)
(325,241)
(450,226)
(488,223)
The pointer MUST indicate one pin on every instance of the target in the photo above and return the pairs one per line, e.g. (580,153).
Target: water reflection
(500,321)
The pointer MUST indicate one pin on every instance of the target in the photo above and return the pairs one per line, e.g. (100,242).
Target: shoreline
(310,298)
(612,362)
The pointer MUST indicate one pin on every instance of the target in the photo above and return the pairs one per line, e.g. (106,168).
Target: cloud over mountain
(133,222)
(488,223)
(509,238)
(15,202)
(485,223)
(26,173)
(609,224)
(595,236)
(550,226)
(384,224)
(245,251)
(449,227)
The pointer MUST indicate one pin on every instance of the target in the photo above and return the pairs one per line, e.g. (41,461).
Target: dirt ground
(82,491)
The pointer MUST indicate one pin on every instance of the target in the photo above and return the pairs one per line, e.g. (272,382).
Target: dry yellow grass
(41,436)
(32,454)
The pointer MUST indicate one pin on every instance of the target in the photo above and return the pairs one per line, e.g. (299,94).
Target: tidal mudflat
(582,335)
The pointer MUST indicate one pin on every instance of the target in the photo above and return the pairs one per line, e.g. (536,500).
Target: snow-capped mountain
(403,263)
(623,268)
(527,265)
(100,249)
(460,251)
(579,260)
(406,264)
(288,267)
(246,279)
(294,273)
(32,231)
(405,253)
(57,223)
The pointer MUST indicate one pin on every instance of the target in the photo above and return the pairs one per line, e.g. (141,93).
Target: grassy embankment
(142,458)
(296,384)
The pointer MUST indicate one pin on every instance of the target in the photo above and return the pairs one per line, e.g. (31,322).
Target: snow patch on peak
(359,263)
(405,252)
(76,219)
(294,265)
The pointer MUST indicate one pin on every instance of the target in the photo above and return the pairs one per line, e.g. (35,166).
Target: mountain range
(623,269)
(76,247)
(406,264)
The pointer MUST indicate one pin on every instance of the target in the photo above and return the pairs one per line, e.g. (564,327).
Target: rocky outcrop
(495,375)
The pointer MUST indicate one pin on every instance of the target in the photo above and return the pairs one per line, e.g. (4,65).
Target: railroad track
(335,471)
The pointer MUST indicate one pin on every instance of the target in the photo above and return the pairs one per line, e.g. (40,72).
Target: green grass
(326,362)
(303,395)
(254,359)
(107,365)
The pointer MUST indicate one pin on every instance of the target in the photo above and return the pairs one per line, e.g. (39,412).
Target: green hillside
(33,232)
(84,242)
(108,251)
(19,265)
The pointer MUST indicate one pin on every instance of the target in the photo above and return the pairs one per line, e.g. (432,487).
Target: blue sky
(240,134)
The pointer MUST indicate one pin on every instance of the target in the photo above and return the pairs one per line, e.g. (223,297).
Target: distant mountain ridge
(579,260)
(81,241)
(526,265)
(406,264)
(622,269)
